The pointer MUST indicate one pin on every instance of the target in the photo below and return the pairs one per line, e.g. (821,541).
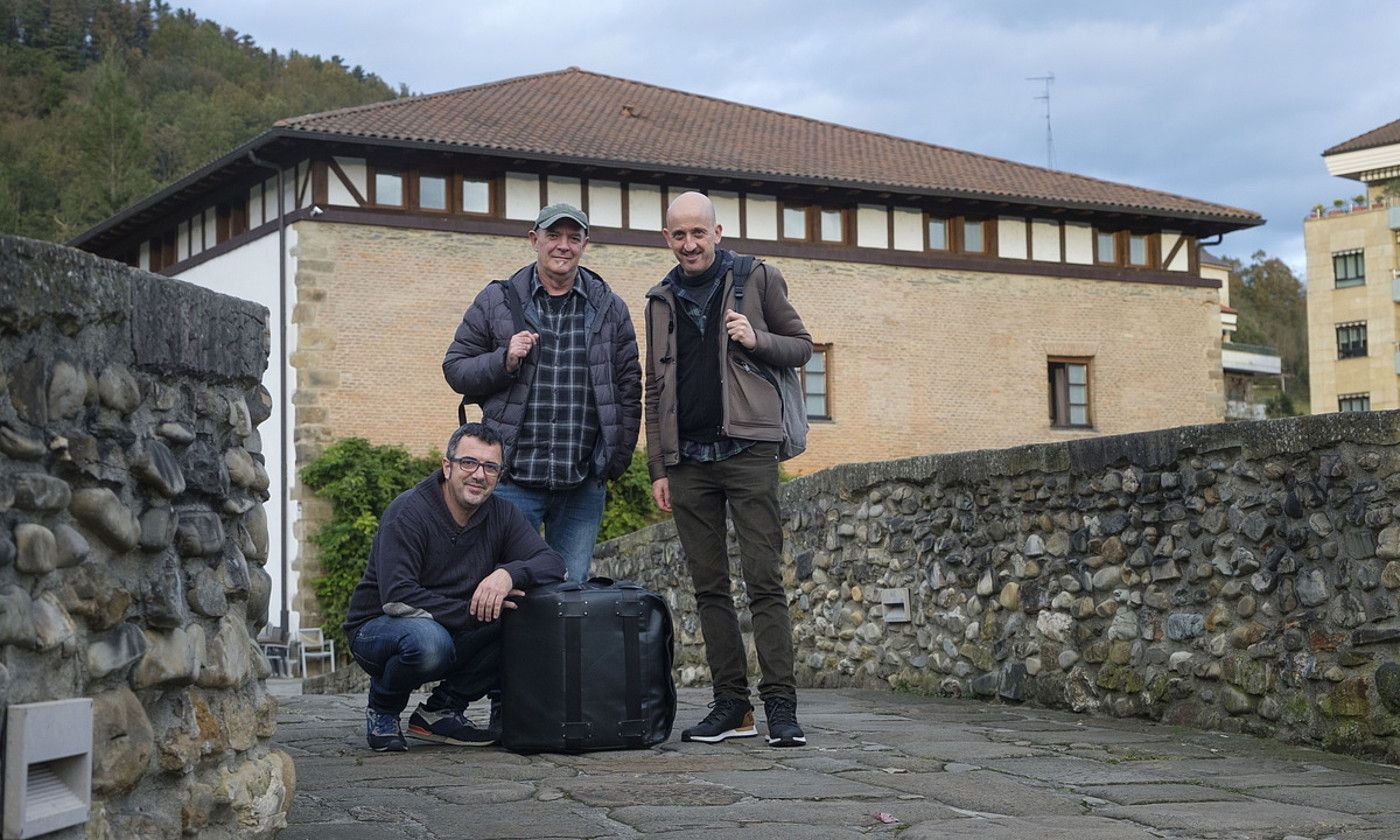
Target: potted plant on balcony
(1337,205)
(1358,202)
(1317,210)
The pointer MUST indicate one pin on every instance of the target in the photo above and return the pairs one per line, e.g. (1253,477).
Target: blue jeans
(570,518)
(401,654)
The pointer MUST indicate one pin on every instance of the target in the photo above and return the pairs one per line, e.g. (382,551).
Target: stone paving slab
(951,770)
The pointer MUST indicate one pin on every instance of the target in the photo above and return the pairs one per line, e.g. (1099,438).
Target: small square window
(814,384)
(974,236)
(388,189)
(476,195)
(937,234)
(1069,392)
(1351,340)
(794,222)
(1349,268)
(432,192)
(1353,402)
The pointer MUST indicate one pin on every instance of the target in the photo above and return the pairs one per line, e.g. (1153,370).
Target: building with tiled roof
(1354,279)
(958,301)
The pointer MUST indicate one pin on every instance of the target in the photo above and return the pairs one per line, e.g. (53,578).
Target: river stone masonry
(132,540)
(1240,577)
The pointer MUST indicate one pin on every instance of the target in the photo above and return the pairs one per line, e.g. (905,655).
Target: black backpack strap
(517,312)
(743,267)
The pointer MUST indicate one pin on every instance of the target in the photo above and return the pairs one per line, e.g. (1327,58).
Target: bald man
(713,425)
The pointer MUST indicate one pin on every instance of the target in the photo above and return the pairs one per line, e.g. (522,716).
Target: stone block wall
(1240,577)
(133,538)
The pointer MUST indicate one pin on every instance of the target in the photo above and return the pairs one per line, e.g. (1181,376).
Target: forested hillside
(104,101)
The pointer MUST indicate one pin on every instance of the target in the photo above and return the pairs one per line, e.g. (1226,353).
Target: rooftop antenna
(1049,138)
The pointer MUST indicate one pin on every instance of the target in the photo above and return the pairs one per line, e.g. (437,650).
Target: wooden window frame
(493,194)
(844,216)
(1358,349)
(1059,402)
(372,186)
(806,209)
(825,350)
(414,193)
(989,239)
(1117,237)
(1342,257)
(1152,245)
(947,221)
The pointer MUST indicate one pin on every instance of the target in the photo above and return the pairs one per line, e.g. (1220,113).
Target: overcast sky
(1230,101)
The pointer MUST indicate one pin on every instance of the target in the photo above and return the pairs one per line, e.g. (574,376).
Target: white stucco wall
(250,272)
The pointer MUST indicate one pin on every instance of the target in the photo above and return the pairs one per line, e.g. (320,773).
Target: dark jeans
(748,484)
(401,654)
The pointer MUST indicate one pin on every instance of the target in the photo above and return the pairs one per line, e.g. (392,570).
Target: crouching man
(444,560)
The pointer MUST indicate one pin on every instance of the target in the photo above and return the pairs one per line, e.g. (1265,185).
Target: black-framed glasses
(470,464)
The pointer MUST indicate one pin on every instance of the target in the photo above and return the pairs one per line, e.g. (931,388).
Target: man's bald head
(692,232)
(690,205)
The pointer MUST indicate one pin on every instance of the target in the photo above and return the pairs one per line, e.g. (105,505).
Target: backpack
(784,379)
(517,314)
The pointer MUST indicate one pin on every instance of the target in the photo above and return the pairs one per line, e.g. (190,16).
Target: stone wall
(133,538)
(1240,577)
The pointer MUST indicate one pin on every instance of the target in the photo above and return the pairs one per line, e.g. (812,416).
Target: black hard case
(587,667)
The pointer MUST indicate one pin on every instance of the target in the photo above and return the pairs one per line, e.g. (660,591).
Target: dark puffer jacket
(475,365)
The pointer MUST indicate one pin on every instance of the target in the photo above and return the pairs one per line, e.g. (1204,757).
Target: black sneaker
(382,732)
(783,730)
(729,717)
(448,727)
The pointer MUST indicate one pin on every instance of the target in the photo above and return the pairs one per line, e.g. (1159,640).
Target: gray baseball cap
(556,213)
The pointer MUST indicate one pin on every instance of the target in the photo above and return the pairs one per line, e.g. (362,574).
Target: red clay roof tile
(588,117)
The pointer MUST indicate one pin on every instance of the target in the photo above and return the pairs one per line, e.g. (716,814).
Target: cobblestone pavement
(876,764)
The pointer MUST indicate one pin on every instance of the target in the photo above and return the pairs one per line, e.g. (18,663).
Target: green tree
(108,149)
(102,101)
(1273,310)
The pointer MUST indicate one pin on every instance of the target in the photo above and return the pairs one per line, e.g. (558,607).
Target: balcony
(1249,358)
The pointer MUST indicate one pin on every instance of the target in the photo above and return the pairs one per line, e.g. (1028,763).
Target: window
(1069,392)
(1353,402)
(1138,251)
(832,226)
(1351,340)
(476,195)
(1349,269)
(814,384)
(432,192)
(388,189)
(937,234)
(974,236)
(1105,247)
(794,222)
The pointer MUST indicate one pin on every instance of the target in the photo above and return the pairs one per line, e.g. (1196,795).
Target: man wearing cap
(564,390)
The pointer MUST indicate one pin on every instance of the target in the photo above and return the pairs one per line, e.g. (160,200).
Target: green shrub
(630,507)
(359,481)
